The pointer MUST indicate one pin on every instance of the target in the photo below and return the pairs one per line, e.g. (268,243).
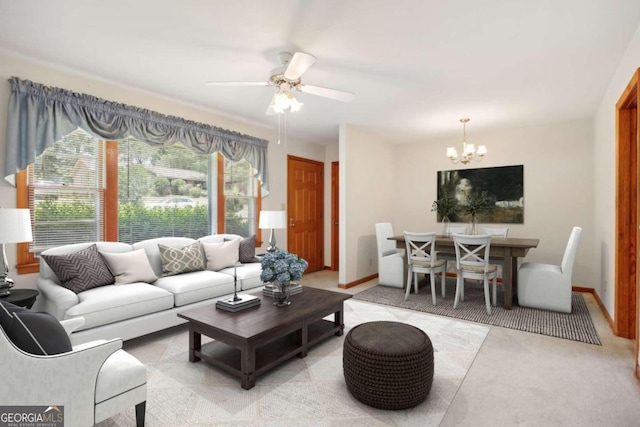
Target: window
(162,191)
(240,198)
(83,189)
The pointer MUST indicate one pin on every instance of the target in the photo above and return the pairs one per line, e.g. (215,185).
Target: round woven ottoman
(388,365)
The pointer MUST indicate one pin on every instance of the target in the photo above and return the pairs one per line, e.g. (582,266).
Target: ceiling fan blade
(338,95)
(237,83)
(298,65)
(270,111)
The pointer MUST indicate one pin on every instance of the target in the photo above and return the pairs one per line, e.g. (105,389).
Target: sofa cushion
(81,270)
(181,260)
(109,304)
(248,275)
(196,286)
(221,255)
(34,332)
(130,267)
(247,250)
(153,252)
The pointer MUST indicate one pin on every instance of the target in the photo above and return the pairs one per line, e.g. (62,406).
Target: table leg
(514,279)
(195,344)
(303,335)
(247,367)
(338,320)
(507,277)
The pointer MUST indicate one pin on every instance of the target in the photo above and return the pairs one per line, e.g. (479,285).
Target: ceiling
(416,66)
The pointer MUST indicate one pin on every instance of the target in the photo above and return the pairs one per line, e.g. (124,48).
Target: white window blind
(162,191)
(66,192)
(240,193)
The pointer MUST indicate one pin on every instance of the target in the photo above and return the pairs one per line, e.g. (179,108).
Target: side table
(21,297)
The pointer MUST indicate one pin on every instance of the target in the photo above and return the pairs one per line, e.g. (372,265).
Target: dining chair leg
(462,290)
(487,295)
(495,292)
(443,282)
(409,274)
(459,285)
(415,282)
(432,277)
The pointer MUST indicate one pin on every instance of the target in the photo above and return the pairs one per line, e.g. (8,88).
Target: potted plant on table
(475,204)
(446,207)
(280,268)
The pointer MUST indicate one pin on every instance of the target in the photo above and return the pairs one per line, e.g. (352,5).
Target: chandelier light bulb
(469,151)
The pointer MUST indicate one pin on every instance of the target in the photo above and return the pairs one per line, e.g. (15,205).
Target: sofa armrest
(71,325)
(55,299)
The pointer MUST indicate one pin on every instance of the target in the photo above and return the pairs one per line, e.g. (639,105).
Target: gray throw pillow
(181,260)
(81,270)
(247,251)
(34,332)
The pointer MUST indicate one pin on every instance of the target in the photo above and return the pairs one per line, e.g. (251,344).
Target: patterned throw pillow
(181,260)
(81,270)
(247,251)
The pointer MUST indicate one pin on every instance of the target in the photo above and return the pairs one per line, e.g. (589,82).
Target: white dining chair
(496,231)
(547,286)
(390,262)
(472,262)
(422,258)
(501,232)
(457,230)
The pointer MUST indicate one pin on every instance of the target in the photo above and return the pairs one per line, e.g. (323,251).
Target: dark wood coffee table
(251,342)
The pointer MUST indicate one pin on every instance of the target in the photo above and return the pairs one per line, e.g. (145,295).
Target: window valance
(40,115)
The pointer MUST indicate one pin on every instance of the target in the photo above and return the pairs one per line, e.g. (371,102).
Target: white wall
(367,185)
(20,67)
(558,185)
(605,176)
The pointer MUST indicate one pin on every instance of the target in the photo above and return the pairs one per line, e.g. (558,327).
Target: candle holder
(235,284)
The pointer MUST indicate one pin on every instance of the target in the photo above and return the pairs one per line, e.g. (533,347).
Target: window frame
(28,263)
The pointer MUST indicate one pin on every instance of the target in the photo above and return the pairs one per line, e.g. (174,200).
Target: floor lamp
(15,227)
(272,220)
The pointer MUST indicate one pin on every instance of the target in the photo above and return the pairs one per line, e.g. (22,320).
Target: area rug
(302,392)
(577,326)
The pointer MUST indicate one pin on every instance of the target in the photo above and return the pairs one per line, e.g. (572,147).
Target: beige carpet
(301,392)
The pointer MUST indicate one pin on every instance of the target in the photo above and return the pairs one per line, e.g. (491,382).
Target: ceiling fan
(288,77)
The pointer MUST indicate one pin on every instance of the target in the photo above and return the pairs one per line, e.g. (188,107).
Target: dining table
(507,248)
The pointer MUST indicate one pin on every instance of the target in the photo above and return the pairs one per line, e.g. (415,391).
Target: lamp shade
(272,219)
(15,225)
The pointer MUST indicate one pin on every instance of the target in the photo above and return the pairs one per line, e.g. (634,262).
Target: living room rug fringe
(577,326)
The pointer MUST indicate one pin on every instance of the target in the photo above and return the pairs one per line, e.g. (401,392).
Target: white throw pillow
(130,267)
(221,255)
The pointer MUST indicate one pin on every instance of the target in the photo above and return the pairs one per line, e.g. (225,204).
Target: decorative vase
(281,293)
(445,225)
(473,225)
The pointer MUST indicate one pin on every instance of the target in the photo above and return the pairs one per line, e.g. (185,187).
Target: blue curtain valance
(40,115)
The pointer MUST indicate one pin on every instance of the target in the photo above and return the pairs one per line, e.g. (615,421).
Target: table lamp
(15,227)
(272,220)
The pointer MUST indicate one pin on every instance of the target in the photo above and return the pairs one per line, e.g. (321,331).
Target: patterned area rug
(576,326)
(302,392)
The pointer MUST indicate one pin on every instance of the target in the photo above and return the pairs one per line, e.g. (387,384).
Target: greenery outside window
(83,189)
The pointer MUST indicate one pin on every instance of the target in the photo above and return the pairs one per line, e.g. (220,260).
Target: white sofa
(135,309)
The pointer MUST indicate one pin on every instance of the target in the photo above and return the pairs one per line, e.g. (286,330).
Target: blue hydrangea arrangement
(282,266)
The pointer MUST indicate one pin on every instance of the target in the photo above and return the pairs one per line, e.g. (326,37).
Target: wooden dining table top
(514,242)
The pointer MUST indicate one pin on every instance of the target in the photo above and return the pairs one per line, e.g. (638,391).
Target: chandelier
(283,100)
(469,151)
